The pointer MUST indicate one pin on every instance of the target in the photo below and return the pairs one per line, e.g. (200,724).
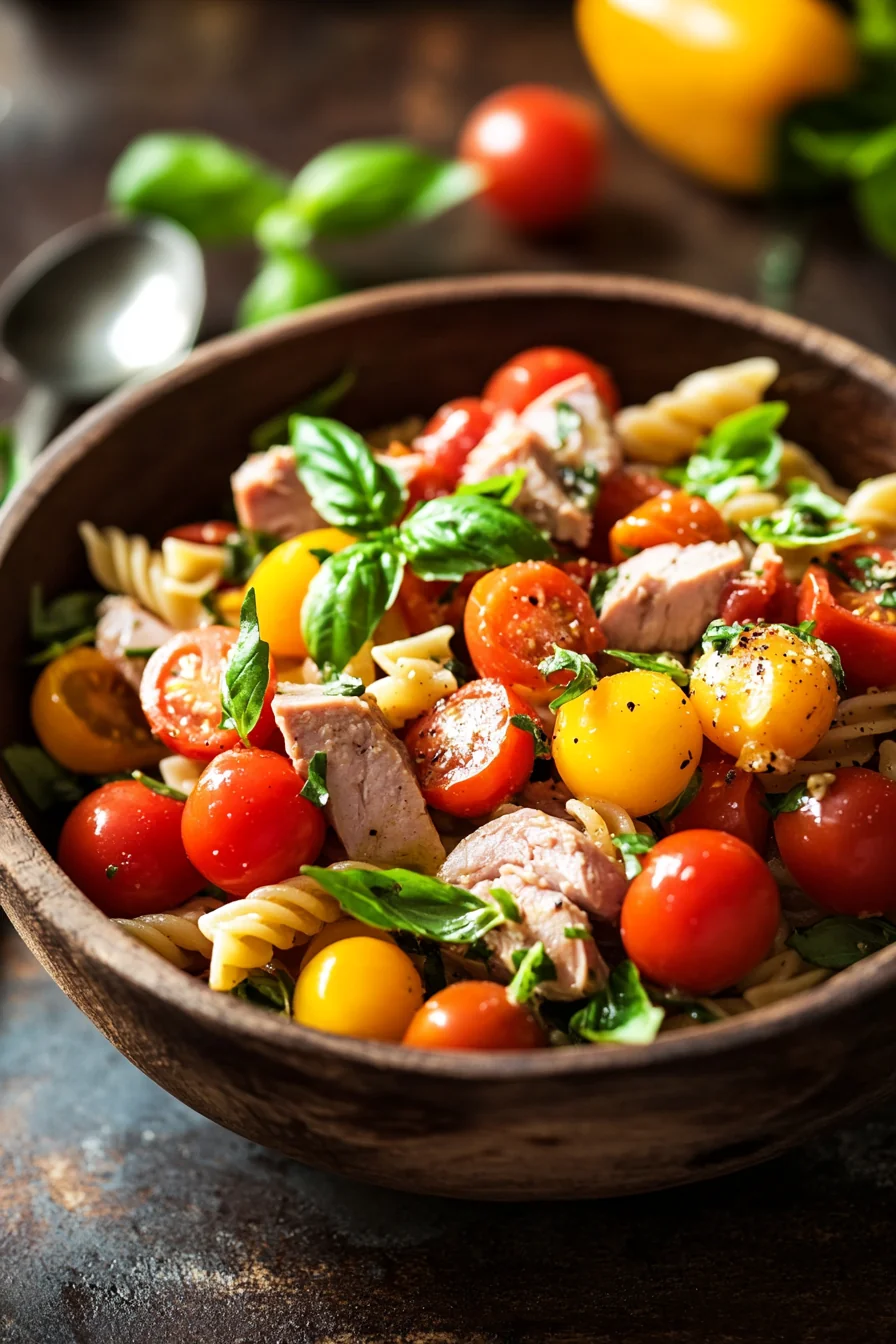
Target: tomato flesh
(468,756)
(246,824)
(122,846)
(676,517)
(764,596)
(451,435)
(622,492)
(862,631)
(532,372)
(728,800)
(473,1015)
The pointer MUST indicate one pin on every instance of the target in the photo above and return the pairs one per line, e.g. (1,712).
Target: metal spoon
(104,303)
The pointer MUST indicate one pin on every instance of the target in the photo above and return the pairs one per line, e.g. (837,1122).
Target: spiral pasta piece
(850,740)
(244,933)
(873,508)
(170,583)
(671,425)
(175,934)
(601,819)
(417,678)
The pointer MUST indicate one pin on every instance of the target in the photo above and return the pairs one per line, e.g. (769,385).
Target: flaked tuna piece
(269,496)
(123,624)
(664,598)
(573,421)
(375,805)
(546,795)
(557,877)
(544,499)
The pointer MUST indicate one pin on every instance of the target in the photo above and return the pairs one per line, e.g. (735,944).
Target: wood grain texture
(694,1105)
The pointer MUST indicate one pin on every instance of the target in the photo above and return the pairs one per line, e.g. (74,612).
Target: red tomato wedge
(764,596)
(468,756)
(534,371)
(861,630)
(181,694)
(679,517)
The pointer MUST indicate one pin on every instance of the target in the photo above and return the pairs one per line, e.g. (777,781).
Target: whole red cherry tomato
(473,1015)
(528,374)
(702,912)
(679,517)
(451,435)
(122,846)
(213,533)
(542,152)
(246,823)
(861,629)
(728,800)
(841,848)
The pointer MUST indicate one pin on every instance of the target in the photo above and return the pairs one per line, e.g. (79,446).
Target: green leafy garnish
(841,940)
(246,674)
(41,778)
(269,988)
(322,399)
(569,422)
(502,488)
(630,846)
(809,518)
(687,796)
(157,786)
(535,967)
(719,637)
(346,600)
(284,283)
(397,898)
(63,618)
(537,733)
(57,649)
(582,484)
(655,662)
(578,931)
(600,585)
(315,786)
(343,684)
(244,552)
(621,1013)
(457,535)
(508,906)
(585,676)
(138,653)
(791,801)
(743,449)
(111,870)
(348,486)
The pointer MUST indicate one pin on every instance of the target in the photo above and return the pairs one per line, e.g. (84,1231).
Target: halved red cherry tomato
(213,533)
(473,1015)
(621,492)
(181,694)
(246,824)
(841,848)
(468,756)
(426,603)
(534,371)
(702,912)
(516,615)
(122,846)
(764,596)
(452,434)
(679,517)
(728,800)
(861,630)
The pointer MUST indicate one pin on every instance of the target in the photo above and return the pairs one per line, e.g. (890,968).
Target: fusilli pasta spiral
(873,508)
(417,677)
(175,934)
(601,819)
(170,582)
(850,740)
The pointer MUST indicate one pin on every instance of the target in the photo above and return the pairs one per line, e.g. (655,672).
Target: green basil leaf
(621,1013)
(600,585)
(158,786)
(875,200)
(246,675)
(111,871)
(681,1005)
(322,399)
(62,618)
(213,190)
(315,786)
(876,27)
(539,737)
(809,517)
(506,904)
(272,989)
(397,898)
(42,779)
(719,637)
(742,448)
(244,552)
(139,653)
(581,484)
(59,647)
(841,940)
(7,461)
(569,422)
(630,846)
(502,488)
(578,931)
(347,485)
(585,675)
(791,801)
(534,969)
(457,535)
(684,799)
(343,684)
(666,663)
(347,598)
(284,283)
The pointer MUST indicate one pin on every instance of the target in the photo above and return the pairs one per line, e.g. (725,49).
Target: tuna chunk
(375,806)
(544,498)
(664,598)
(555,874)
(269,496)
(123,624)
(547,795)
(572,420)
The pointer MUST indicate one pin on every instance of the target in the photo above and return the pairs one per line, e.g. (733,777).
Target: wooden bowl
(562,1123)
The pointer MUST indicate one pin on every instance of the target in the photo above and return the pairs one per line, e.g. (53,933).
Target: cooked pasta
(175,934)
(601,819)
(748,504)
(797,463)
(244,933)
(873,508)
(417,677)
(179,772)
(671,425)
(170,583)
(888,759)
(780,976)
(850,740)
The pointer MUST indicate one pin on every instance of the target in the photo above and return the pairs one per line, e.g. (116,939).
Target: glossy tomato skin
(764,596)
(702,913)
(122,846)
(468,756)
(213,533)
(181,694)
(426,603)
(728,800)
(531,372)
(841,849)
(542,152)
(515,616)
(246,824)
(620,493)
(677,517)
(865,642)
(451,435)
(473,1015)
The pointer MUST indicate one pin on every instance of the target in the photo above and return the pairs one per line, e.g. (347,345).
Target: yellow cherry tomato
(635,740)
(281,582)
(706,82)
(359,987)
(89,719)
(339,929)
(767,699)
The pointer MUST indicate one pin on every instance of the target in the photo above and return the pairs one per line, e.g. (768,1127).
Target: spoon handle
(35,424)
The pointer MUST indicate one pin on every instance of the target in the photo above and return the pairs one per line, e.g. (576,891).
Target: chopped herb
(246,675)
(41,778)
(502,488)
(630,846)
(582,485)
(343,684)
(538,735)
(315,786)
(63,618)
(621,1013)
(687,796)
(507,904)
(156,785)
(535,967)
(585,676)
(791,801)
(138,653)
(320,553)
(655,662)
(718,637)
(59,647)
(569,422)
(809,518)
(244,552)
(111,870)
(600,585)
(461,673)
(841,940)
(269,988)
(578,931)
(744,450)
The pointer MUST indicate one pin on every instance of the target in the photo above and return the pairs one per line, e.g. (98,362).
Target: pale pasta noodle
(748,504)
(779,976)
(244,933)
(601,819)
(671,425)
(799,463)
(170,583)
(175,934)
(872,507)
(417,677)
(179,772)
(850,740)
(888,759)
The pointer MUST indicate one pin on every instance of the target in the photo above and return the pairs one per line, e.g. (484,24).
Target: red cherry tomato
(621,493)
(702,912)
(122,846)
(516,615)
(542,152)
(841,849)
(426,603)
(468,756)
(861,630)
(528,374)
(452,434)
(180,693)
(763,596)
(246,823)
(679,517)
(728,800)
(473,1015)
(213,533)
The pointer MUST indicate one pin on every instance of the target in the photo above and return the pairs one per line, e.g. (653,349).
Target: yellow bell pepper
(705,82)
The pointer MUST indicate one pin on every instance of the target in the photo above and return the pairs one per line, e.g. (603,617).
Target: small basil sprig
(743,448)
(457,535)
(537,733)
(271,989)
(875,576)
(684,799)
(508,906)
(244,552)
(666,663)
(621,1013)
(246,675)
(842,941)
(343,685)
(397,898)
(809,518)
(502,488)
(791,801)
(721,638)
(630,847)
(44,781)
(284,283)
(62,618)
(315,787)
(157,786)
(535,967)
(600,585)
(346,600)
(349,487)
(585,675)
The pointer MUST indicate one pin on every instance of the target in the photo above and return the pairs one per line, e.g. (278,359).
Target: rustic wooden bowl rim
(63,905)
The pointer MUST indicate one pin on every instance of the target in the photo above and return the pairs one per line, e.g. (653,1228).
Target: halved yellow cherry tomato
(89,719)
(339,929)
(281,582)
(635,740)
(359,987)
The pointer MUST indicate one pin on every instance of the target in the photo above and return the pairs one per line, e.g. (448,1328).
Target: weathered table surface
(123,1216)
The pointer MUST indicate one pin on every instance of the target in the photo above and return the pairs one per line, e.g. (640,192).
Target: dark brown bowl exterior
(563,1123)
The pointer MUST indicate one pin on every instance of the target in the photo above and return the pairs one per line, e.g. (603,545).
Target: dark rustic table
(126,1218)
